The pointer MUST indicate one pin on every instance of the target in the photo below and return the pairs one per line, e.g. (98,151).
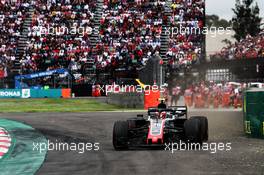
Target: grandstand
(116,37)
(248,48)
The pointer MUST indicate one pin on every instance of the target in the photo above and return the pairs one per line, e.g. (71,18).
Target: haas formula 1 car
(160,126)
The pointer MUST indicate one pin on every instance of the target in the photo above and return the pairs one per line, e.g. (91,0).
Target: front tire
(120,135)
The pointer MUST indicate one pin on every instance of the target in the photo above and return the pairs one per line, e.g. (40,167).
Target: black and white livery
(160,126)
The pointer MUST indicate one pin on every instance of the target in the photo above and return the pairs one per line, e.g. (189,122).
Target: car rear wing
(179,109)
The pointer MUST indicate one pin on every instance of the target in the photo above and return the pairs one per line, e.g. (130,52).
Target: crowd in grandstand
(130,33)
(59,35)
(250,47)
(12,14)
(186,39)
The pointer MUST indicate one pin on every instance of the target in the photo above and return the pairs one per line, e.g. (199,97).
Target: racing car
(158,127)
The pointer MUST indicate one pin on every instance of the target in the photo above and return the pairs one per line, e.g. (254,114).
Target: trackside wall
(126,100)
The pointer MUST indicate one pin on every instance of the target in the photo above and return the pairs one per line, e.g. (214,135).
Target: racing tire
(193,131)
(120,135)
(204,127)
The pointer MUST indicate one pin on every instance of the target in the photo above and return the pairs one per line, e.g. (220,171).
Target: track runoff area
(81,143)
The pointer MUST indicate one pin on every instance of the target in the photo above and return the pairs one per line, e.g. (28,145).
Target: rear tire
(204,127)
(193,132)
(120,135)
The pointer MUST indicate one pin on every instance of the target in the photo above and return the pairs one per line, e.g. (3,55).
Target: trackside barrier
(151,98)
(126,99)
(134,100)
(12,93)
(35,93)
(51,93)
(254,113)
(66,93)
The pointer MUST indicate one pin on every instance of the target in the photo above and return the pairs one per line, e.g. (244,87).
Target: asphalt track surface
(245,157)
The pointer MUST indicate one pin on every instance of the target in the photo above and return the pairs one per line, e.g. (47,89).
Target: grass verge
(55,105)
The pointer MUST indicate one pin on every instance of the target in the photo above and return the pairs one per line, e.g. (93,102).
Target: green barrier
(10,93)
(22,159)
(49,93)
(254,113)
(30,93)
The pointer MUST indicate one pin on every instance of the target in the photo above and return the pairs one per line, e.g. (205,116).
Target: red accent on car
(155,133)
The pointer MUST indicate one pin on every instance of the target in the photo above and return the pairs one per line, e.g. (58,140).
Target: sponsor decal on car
(156,127)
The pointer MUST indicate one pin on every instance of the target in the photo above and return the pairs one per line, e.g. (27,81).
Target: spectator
(250,47)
